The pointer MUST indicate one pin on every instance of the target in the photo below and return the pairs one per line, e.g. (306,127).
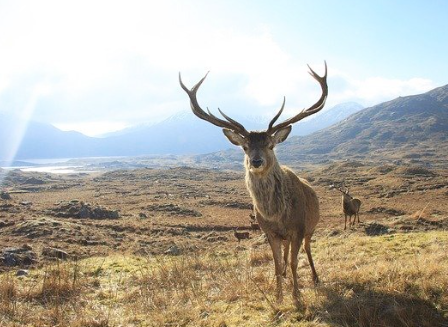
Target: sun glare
(94,129)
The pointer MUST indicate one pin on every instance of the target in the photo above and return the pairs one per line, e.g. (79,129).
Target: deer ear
(281,134)
(233,137)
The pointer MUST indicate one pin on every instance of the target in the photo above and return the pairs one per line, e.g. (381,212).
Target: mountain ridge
(411,129)
(180,134)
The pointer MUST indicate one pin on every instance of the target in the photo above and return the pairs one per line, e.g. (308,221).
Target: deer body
(287,210)
(286,207)
(241,235)
(350,207)
(283,201)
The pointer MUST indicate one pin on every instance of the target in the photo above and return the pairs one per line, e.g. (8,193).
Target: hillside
(33,140)
(182,133)
(325,118)
(413,128)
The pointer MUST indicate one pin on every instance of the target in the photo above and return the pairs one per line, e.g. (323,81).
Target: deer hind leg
(295,247)
(276,246)
(285,256)
(345,224)
(307,247)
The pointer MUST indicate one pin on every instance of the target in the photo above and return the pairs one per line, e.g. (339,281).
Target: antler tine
(199,112)
(305,112)
(234,122)
(277,115)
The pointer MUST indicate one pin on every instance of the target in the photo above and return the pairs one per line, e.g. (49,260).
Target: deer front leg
(276,246)
(345,225)
(285,256)
(307,247)
(296,243)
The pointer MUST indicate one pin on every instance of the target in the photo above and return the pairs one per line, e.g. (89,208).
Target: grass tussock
(392,280)
(8,295)
(60,283)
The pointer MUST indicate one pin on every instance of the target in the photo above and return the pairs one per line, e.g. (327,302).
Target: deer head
(257,145)
(345,192)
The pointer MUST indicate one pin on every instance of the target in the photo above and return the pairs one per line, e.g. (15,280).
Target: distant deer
(286,207)
(253,222)
(350,206)
(240,235)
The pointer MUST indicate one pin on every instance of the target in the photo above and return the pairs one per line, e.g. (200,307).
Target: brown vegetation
(167,268)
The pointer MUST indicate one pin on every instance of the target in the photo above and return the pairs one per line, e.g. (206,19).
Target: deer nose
(257,162)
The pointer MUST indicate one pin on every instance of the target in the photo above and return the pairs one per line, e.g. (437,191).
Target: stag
(350,206)
(285,205)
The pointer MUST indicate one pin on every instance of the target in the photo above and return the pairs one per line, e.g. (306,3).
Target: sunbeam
(17,127)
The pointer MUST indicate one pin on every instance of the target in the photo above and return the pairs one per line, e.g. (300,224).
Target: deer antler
(197,110)
(305,112)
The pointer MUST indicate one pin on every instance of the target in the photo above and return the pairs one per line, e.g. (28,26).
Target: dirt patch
(415,171)
(5,195)
(18,256)
(418,223)
(79,209)
(374,229)
(227,204)
(173,210)
(389,211)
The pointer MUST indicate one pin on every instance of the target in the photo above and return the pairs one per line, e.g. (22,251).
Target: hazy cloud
(78,64)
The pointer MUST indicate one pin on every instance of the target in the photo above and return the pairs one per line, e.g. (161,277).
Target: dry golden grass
(392,280)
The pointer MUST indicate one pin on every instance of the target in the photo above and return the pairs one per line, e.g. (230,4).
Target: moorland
(156,247)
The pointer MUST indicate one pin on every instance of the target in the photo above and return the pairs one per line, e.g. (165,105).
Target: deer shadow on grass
(363,307)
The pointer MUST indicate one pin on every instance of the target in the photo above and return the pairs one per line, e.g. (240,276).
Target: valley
(117,220)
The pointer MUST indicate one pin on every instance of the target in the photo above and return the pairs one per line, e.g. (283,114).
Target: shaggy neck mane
(267,191)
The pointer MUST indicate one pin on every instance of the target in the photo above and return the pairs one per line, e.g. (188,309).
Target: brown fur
(287,210)
(241,235)
(350,207)
(286,207)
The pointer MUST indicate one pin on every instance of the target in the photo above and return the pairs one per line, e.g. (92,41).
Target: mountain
(182,133)
(32,140)
(325,118)
(413,127)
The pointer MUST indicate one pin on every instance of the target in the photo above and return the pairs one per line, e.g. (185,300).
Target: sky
(99,66)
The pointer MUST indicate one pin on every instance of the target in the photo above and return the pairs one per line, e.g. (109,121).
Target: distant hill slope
(34,140)
(184,133)
(414,128)
(407,127)
(410,129)
(325,118)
